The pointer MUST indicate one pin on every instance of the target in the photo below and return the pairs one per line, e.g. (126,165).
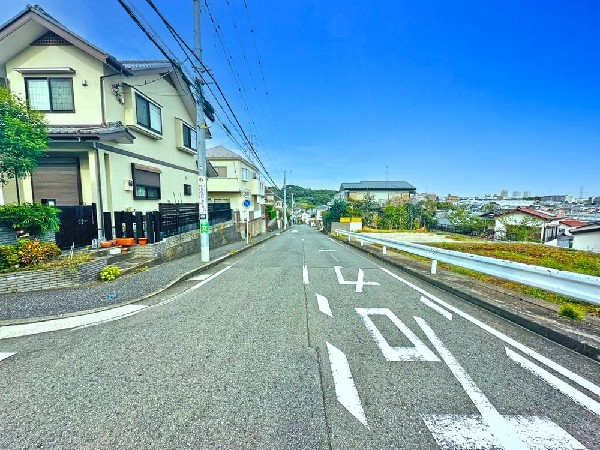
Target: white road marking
(11,331)
(332,240)
(5,355)
(535,355)
(360,281)
(324,305)
(436,308)
(469,432)
(491,417)
(305,274)
(200,277)
(420,352)
(334,257)
(294,231)
(345,390)
(325,250)
(555,382)
(193,288)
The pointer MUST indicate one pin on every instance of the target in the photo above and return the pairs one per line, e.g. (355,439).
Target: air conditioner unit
(129,185)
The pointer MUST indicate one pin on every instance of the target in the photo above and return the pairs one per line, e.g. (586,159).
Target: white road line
(535,355)
(325,250)
(491,417)
(334,257)
(11,331)
(324,305)
(420,351)
(332,240)
(555,382)
(345,390)
(193,288)
(305,275)
(200,277)
(360,281)
(436,308)
(6,355)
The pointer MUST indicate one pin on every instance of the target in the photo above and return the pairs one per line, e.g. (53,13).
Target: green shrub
(571,312)
(26,253)
(33,218)
(110,273)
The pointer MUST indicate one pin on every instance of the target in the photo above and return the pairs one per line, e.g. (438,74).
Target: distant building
(517,194)
(504,193)
(452,198)
(526,194)
(382,191)
(544,226)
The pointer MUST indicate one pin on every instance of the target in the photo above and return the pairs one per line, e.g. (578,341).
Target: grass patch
(571,312)
(66,262)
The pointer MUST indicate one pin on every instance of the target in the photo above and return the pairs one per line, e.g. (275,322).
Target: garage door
(57,178)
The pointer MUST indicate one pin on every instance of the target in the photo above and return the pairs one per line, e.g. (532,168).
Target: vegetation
(337,211)
(32,218)
(23,137)
(270,211)
(464,222)
(110,273)
(309,198)
(26,254)
(571,312)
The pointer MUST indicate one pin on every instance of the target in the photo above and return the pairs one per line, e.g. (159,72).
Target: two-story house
(122,134)
(238,183)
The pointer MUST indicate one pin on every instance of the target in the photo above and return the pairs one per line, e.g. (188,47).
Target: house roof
(221,153)
(377,185)
(146,64)
(113,131)
(32,23)
(573,223)
(593,227)
(531,212)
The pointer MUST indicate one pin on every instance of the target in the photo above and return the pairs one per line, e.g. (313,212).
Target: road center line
(555,382)
(491,417)
(345,389)
(305,274)
(535,355)
(436,308)
(324,305)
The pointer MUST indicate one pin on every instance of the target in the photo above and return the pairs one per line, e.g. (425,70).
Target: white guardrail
(575,285)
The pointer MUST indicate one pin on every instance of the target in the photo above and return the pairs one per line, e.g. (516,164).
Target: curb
(581,347)
(180,279)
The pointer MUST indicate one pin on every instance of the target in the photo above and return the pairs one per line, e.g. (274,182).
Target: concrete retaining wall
(37,280)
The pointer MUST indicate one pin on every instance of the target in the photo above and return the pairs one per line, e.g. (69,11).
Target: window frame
(191,132)
(136,168)
(149,103)
(49,87)
(187,189)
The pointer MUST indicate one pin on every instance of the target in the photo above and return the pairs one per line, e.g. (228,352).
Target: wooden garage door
(57,178)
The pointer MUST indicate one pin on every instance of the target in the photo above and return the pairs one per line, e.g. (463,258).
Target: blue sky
(461,97)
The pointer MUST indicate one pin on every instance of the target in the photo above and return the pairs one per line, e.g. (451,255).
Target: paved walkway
(130,286)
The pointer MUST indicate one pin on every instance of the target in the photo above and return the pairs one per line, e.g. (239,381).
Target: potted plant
(142,241)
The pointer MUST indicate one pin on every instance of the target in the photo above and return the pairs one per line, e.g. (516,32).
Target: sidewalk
(22,307)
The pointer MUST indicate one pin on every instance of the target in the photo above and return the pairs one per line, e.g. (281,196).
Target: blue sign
(247,203)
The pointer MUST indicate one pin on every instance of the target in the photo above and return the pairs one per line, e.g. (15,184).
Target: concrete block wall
(7,235)
(36,280)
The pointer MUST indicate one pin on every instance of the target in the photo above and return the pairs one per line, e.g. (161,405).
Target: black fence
(133,224)
(219,213)
(178,218)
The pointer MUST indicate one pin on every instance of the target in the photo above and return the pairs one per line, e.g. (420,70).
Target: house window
(50,94)
(245,174)
(221,171)
(187,189)
(189,137)
(146,182)
(148,114)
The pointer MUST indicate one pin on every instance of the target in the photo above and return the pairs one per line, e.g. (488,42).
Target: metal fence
(575,285)
(178,218)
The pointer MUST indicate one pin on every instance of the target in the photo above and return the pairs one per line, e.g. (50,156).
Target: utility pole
(284,201)
(201,145)
(293,216)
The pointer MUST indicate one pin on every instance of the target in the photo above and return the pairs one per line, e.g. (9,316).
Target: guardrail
(575,285)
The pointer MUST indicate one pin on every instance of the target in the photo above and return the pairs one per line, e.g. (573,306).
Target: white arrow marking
(419,352)
(556,383)
(5,355)
(469,431)
(491,417)
(359,282)
(535,355)
(436,308)
(305,274)
(324,305)
(345,390)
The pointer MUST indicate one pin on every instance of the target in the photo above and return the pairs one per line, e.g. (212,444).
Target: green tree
(23,137)
(464,222)
(338,210)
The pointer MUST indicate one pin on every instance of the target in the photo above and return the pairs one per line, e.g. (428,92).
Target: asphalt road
(279,349)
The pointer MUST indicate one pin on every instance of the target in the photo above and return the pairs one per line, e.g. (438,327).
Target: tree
(337,211)
(464,222)
(23,137)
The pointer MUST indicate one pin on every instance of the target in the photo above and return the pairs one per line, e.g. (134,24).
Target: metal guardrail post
(434,266)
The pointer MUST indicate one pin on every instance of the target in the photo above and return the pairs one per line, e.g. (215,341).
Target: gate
(77,225)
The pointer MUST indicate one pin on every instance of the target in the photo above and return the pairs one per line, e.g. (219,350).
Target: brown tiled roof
(535,213)
(573,223)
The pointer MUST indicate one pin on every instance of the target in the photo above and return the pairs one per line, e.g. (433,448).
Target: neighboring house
(587,238)
(381,191)
(237,180)
(121,133)
(565,226)
(544,226)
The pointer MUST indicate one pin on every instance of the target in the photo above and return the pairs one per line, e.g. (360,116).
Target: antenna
(386,172)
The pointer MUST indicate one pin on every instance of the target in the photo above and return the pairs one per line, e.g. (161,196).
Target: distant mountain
(314,197)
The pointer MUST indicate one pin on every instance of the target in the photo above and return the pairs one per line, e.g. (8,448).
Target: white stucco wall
(589,242)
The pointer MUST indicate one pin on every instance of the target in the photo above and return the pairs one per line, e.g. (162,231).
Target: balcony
(223,185)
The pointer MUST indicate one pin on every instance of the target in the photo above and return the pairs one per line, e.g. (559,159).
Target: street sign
(247,203)
(246,193)
(202,197)
(204,228)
